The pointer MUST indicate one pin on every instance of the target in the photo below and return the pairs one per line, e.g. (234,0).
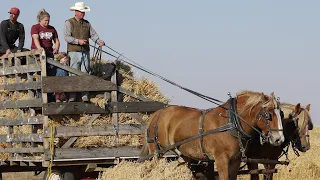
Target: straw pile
(140,86)
(154,169)
(306,167)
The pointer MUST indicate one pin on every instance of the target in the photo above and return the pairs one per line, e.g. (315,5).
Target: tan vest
(80,30)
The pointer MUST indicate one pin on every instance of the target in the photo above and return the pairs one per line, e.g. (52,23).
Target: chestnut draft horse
(296,124)
(251,111)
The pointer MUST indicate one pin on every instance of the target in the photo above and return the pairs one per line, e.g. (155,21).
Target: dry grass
(21,175)
(306,167)
(154,169)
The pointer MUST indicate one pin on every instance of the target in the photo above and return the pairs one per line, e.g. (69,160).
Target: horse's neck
(289,129)
(251,119)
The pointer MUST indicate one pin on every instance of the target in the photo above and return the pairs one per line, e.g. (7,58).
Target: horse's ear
(308,107)
(272,95)
(297,108)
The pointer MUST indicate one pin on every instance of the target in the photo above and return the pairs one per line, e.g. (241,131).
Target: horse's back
(174,119)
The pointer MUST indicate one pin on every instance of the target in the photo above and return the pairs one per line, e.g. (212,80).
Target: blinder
(267,116)
(310,125)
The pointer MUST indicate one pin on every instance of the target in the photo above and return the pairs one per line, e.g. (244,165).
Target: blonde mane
(287,109)
(255,98)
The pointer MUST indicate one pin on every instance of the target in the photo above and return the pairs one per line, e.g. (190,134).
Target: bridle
(265,117)
(296,140)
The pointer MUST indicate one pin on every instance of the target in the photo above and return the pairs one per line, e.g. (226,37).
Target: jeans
(81,62)
(61,72)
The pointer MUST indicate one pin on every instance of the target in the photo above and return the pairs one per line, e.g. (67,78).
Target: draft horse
(296,125)
(191,132)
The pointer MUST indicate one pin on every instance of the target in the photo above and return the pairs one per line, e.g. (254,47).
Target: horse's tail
(145,147)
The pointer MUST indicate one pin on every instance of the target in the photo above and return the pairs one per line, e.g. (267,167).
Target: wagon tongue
(264,161)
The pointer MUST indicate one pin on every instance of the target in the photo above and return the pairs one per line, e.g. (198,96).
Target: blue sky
(209,46)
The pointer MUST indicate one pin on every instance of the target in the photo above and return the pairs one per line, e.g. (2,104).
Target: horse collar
(234,119)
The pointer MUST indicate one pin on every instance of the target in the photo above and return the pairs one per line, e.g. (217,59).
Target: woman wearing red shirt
(44,35)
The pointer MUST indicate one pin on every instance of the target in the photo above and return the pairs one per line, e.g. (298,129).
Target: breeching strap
(223,128)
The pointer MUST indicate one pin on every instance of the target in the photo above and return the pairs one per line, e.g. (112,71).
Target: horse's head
(267,116)
(303,122)
(270,122)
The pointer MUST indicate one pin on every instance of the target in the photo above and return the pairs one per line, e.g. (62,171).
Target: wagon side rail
(18,87)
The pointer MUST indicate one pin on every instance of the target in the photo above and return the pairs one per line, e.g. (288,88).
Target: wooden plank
(138,118)
(23,163)
(20,69)
(21,104)
(21,138)
(21,86)
(132,94)
(67,68)
(31,93)
(22,150)
(31,163)
(17,63)
(79,73)
(130,107)
(25,53)
(257,171)
(21,121)
(14,163)
(71,131)
(72,108)
(91,167)
(18,158)
(73,139)
(78,84)
(95,153)
(114,98)
(43,60)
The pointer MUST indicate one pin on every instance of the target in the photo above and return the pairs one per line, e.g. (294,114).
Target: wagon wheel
(57,175)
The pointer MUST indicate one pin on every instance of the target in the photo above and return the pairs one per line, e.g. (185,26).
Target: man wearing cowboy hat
(10,31)
(77,32)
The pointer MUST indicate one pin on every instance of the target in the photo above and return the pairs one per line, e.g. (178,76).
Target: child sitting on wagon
(63,59)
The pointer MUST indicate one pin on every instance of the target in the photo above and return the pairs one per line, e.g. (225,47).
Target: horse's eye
(267,116)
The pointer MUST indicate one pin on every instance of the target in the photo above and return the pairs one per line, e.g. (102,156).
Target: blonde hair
(42,14)
(61,55)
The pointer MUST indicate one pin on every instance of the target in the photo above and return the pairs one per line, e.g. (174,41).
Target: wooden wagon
(23,150)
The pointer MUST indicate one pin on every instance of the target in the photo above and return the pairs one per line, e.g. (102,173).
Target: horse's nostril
(277,141)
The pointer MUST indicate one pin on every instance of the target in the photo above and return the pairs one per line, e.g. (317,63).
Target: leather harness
(233,127)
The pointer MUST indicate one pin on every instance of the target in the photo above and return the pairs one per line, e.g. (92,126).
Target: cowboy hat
(79,6)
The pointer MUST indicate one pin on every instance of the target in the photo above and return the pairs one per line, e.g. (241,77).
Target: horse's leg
(234,169)
(269,176)
(252,166)
(208,171)
(222,163)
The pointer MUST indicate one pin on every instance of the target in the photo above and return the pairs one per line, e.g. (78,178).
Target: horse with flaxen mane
(176,127)
(296,124)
